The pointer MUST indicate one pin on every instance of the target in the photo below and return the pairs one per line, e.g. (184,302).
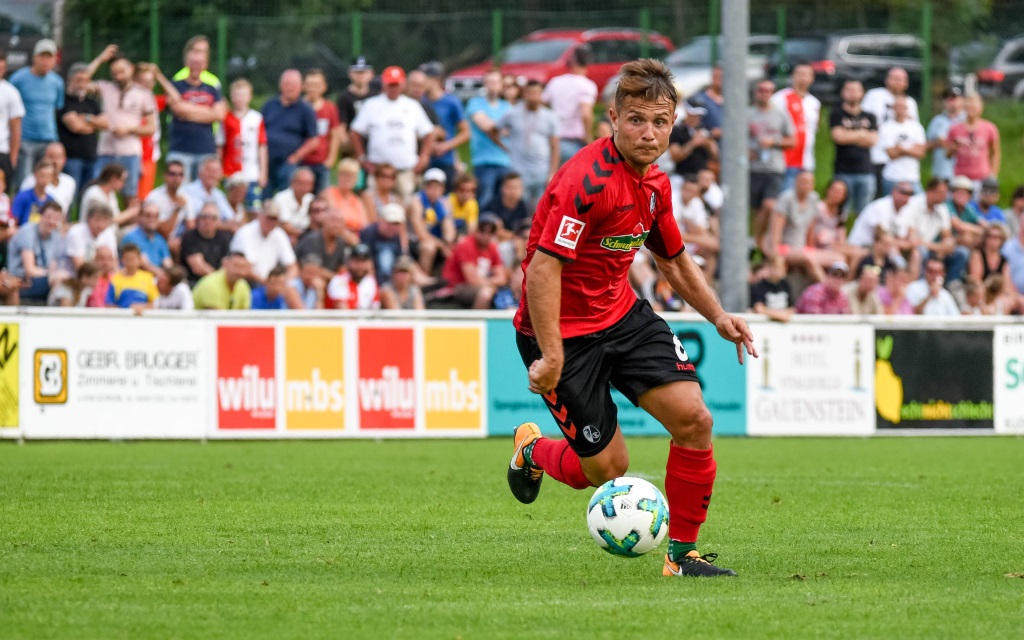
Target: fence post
(154,32)
(222,48)
(645,28)
(87,39)
(357,34)
(714,27)
(926,61)
(496,33)
(780,30)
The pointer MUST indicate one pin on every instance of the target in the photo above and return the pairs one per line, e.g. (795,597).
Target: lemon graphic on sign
(888,385)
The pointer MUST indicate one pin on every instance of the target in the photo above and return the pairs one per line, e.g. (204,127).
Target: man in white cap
(42,92)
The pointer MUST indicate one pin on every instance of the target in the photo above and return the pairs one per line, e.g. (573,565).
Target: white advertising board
(1008,354)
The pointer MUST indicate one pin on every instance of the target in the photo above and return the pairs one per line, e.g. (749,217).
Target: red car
(544,54)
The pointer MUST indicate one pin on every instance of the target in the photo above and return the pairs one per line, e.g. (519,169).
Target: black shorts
(764,186)
(636,354)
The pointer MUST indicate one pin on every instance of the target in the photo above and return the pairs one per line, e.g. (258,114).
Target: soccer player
(581,327)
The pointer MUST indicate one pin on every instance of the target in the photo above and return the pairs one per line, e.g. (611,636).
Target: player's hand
(544,375)
(735,330)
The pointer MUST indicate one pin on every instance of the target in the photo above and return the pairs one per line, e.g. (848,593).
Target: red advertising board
(387,379)
(246,390)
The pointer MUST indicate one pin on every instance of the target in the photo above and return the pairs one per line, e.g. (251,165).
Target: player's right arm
(544,300)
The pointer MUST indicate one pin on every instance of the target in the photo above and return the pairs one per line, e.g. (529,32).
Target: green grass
(892,538)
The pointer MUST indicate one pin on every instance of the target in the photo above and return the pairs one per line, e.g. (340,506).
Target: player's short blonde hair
(645,79)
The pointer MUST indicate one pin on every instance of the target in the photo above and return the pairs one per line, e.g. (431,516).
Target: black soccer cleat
(523,479)
(696,565)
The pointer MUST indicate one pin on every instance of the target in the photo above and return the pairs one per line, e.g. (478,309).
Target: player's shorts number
(680,351)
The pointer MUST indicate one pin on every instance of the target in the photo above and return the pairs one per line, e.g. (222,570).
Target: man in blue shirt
(451,117)
(490,158)
(987,204)
(195,106)
(291,131)
(156,255)
(270,297)
(42,92)
(28,204)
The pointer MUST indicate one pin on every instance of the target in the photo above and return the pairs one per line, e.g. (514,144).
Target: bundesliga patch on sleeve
(569,232)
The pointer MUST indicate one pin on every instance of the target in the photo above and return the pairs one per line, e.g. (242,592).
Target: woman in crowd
(988,258)
(883,254)
(400,292)
(894,294)
(511,90)
(344,199)
(75,292)
(110,181)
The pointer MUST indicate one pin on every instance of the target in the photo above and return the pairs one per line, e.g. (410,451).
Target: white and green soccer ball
(627,517)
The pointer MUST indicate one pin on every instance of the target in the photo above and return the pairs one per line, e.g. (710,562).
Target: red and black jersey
(594,215)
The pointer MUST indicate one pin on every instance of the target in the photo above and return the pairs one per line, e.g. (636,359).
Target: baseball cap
(45,46)
(404,263)
(694,109)
(393,75)
(360,64)
(488,219)
(961,182)
(432,69)
(838,267)
(435,175)
(360,252)
(235,179)
(952,92)
(392,212)
(990,184)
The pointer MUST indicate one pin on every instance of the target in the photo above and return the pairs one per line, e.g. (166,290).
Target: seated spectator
(75,292)
(106,262)
(204,248)
(987,205)
(400,292)
(329,243)
(33,254)
(308,290)
(225,288)
(826,297)
(997,296)
(236,190)
(988,258)
(204,189)
(293,202)
(862,293)
(381,192)
(174,291)
(964,214)
(974,299)
(131,288)
(711,193)
(462,204)
(427,213)
(97,230)
(354,287)
(927,296)
(880,213)
(827,233)
(771,295)
(884,254)
(475,271)
(343,198)
(318,210)
(27,205)
(111,180)
(894,294)
(385,241)
(156,255)
(1013,251)
(5,202)
(644,280)
(509,206)
(795,209)
(177,211)
(270,296)
(1015,213)
(264,244)
(925,222)
(62,187)
(695,228)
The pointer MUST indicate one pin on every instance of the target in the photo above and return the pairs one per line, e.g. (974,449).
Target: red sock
(560,462)
(689,477)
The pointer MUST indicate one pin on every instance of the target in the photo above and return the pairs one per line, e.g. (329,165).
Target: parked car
(544,54)
(1004,77)
(691,63)
(841,56)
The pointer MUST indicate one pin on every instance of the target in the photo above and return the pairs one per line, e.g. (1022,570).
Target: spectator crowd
(172,191)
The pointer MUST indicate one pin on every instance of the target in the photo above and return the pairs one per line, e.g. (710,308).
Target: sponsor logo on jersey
(626,243)
(569,232)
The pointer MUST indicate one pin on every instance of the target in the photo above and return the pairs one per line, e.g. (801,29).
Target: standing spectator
(204,189)
(264,244)
(826,297)
(293,202)
(401,292)
(416,88)
(511,89)
(805,112)
(324,156)
(531,133)
(12,110)
(974,144)
(177,211)
(926,222)
(94,231)
(28,204)
(204,248)
(490,157)
(712,100)
(771,295)
(308,289)
(572,97)
(270,295)
(389,128)
(987,205)
(854,132)
(131,288)
(130,112)
(452,119)
(156,255)
(880,101)
(291,130)
(894,294)
(862,293)
(880,213)
(33,254)
(329,243)
(195,106)
(475,270)
(360,88)
(771,131)
(225,288)
(904,142)
(344,200)
(690,144)
(62,187)
(242,142)
(927,296)
(463,205)
(938,130)
(385,241)
(42,94)
(105,189)
(196,53)
(174,291)
(78,125)
(355,287)
(145,77)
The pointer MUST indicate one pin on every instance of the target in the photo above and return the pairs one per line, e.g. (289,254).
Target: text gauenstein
(841,410)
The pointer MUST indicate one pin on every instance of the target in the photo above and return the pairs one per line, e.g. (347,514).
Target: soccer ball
(627,517)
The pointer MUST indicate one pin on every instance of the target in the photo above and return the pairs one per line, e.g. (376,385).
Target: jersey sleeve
(664,239)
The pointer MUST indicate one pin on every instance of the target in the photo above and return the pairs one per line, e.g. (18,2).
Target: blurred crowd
(171,191)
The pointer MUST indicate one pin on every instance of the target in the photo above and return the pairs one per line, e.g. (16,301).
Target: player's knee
(609,468)
(691,425)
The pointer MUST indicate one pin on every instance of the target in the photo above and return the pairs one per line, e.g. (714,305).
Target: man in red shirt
(329,131)
(474,272)
(581,327)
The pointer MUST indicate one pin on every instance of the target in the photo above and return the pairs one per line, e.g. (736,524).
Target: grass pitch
(876,538)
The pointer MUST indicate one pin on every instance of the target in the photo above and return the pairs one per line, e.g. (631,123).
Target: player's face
(642,130)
